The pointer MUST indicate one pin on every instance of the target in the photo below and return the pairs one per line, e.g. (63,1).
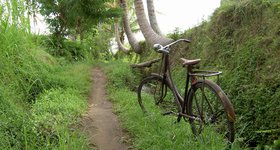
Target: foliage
(39,98)
(100,44)
(96,45)
(80,15)
(75,20)
(121,76)
(69,50)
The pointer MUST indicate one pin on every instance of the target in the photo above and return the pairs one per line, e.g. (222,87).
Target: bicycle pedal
(167,113)
(179,119)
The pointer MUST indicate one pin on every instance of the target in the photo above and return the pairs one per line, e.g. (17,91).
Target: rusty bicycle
(204,104)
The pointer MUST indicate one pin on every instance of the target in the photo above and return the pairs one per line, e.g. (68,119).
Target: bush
(121,75)
(39,98)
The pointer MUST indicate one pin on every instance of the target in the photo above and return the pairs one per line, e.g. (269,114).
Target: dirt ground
(100,123)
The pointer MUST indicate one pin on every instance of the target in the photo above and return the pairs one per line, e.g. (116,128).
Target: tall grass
(242,40)
(39,98)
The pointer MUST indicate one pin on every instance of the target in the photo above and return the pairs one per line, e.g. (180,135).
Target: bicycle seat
(186,62)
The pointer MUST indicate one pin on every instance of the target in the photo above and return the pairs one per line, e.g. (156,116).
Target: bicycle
(204,103)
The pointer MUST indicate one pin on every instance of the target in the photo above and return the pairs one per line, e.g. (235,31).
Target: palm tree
(152,17)
(117,36)
(150,35)
(130,36)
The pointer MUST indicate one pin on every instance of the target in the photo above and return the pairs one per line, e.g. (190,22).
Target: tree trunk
(78,29)
(150,35)
(130,36)
(152,17)
(117,36)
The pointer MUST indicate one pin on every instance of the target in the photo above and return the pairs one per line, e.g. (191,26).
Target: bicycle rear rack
(206,73)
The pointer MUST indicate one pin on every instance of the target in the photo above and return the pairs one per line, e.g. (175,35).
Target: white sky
(182,14)
(38,25)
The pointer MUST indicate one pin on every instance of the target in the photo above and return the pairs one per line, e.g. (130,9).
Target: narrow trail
(100,124)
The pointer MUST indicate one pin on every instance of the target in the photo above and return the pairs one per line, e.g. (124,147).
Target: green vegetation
(75,51)
(44,80)
(44,83)
(74,18)
(242,39)
(40,99)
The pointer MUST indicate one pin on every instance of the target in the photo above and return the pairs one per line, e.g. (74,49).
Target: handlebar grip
(158,46)
(160,49)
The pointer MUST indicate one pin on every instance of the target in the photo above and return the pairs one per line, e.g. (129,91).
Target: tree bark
(130,36)
(117,36)
(150,35)
(152,17)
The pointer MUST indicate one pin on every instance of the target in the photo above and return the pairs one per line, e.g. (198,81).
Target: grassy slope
(243,40)
(39,98)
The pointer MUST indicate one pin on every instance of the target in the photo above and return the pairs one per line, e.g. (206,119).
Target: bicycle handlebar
(165,49)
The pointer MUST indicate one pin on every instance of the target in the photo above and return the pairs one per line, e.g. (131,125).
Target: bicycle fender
(225,100)
(228,106)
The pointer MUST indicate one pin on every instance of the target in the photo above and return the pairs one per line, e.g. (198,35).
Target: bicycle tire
(151,97)
(218,112)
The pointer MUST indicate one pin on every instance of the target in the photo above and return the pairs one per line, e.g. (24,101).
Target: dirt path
(100,123)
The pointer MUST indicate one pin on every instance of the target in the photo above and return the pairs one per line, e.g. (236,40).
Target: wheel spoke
(206,104)
(154,95)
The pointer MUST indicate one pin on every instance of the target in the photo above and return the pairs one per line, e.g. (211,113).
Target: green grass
(53,113)
(40,99)
(48,121)
(152,131)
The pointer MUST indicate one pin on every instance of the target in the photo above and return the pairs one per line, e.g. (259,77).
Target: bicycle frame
(190,79)
(167,77)
(179,99)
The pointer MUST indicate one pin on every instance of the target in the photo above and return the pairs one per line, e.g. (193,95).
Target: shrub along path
(100,124)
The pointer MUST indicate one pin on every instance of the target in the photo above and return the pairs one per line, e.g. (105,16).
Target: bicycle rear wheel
(209,103)
(155,96)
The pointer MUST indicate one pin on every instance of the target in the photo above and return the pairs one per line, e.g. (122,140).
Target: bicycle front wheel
(155,96)
(210,104)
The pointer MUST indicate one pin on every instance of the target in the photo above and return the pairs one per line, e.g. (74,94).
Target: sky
(181,14)
(38,25)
